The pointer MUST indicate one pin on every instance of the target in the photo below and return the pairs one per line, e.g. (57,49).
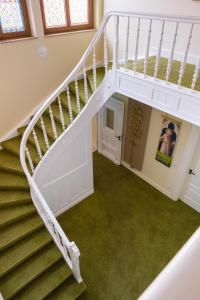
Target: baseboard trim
(148,180)
(78,200)
(193,204)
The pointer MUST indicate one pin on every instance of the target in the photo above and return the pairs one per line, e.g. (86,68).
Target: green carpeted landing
(174,74)
(127,231)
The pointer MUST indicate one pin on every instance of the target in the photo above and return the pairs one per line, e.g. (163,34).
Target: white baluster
(37,144)
(85,84)
(69,105)
(182,70)
(77,96)
(29,159)
(116,44)
(159,51)
(105,52)
(61,113)
(171,57)
(127,43)
(136,46)
(196,75)
(94,70)
(53,123)
(45,133)
(147,49)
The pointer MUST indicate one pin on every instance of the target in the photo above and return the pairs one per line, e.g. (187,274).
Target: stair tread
(56,113)
(21,250)
(13,197)
(63,98)
(69,290)
(13,146)
(48,126)
(11,214)
(26,272)
(10,162)
(81,89)
(18,230)
(13,181)
(100,77)
(39,136)
(42,286)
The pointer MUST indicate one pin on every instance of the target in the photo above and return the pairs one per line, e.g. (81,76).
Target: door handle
(118,137)
(191,172)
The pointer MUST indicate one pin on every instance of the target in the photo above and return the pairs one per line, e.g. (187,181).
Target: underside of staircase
(31,266)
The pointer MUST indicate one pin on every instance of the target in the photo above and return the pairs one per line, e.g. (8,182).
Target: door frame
(101,119)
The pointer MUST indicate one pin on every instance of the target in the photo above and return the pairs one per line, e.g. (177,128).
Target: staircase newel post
(74,255)
(116,44)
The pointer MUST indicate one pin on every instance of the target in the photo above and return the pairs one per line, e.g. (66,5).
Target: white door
(110,128)
(191,193)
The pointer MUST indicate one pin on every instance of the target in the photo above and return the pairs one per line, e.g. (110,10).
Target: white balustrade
(183,64)
(69,104)
(29,159)
(77,96)
(116,44)
(85,84)
(136,47)
(127,43)
(94,69)
(105,51)
(44,133)
(61,113)
(147,49)
(170,60)
(37,144)
(53,123)
(159,51)
(196,75)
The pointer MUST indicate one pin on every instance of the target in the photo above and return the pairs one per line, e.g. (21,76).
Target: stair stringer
(51,172)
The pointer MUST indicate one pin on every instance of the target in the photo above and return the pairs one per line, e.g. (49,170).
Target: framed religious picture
(168,139)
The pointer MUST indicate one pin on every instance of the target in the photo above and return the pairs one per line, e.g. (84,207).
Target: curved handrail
(68,249)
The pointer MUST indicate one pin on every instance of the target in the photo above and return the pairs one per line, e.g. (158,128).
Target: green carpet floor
(127,231)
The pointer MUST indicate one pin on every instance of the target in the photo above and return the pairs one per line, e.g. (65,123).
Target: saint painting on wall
(168,140)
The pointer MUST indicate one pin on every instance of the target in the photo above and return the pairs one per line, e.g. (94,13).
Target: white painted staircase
(50,178)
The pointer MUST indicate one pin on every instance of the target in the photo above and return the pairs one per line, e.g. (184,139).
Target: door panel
(191,194)
(110,128)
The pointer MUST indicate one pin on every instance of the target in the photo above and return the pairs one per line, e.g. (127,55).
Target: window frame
(68,27)
(19,34)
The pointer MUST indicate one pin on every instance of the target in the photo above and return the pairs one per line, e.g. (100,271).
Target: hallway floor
(127,231)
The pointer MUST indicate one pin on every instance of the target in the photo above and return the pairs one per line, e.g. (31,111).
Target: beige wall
(26,78)
(178,7)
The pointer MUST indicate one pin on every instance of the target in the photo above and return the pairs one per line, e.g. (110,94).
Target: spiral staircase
(37,259)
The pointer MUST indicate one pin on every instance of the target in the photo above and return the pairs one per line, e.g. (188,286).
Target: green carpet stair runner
(31,266)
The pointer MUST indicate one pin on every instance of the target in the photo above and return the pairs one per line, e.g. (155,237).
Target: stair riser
(15,203)
(4,247)
(27,256)
(11,170)
(16,188)
(29,281)
(9,222)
